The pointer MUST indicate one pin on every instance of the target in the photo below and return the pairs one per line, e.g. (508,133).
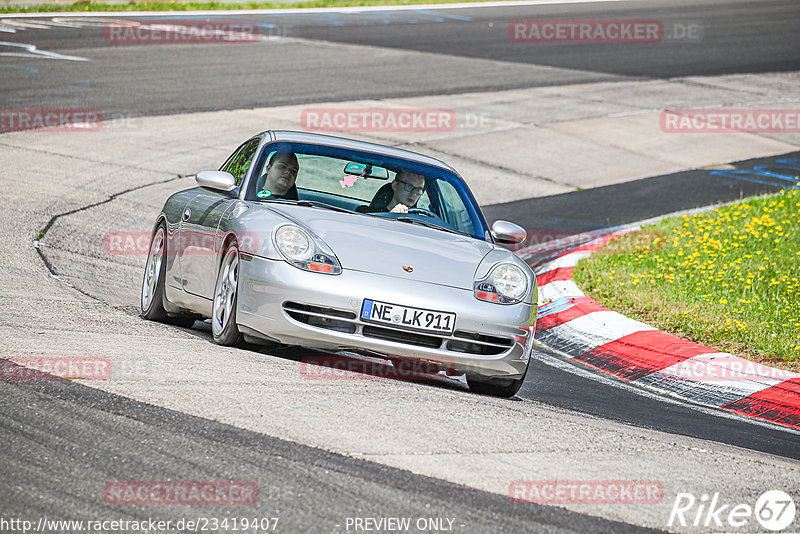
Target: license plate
(407,317)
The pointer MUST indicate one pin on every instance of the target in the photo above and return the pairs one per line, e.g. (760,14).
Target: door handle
(186,214)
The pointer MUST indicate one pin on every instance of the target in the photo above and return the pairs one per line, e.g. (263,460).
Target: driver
(406,189)
(279,177)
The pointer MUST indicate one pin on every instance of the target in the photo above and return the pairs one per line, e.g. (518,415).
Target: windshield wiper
(315,204)
(425,223)
(306,203)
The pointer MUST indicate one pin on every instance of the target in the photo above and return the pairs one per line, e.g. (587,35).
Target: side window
(240,161)
(453,210)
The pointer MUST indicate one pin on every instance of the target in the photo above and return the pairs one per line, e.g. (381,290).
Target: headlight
(304,252)
(294,243)
(506,284)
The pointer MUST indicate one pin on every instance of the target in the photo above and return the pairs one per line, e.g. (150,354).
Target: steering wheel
(422,211)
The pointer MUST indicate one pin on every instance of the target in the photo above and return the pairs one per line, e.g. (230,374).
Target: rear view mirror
(366,170)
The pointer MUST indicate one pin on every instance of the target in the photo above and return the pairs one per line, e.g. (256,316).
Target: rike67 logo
(774,510)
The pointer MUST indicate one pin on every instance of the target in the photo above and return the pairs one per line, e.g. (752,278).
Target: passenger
(403,193)
(279,177)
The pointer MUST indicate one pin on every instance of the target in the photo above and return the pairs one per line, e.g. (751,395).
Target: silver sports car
(341,245)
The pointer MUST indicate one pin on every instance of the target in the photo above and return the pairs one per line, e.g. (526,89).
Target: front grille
(346,322)
(479,343)
(318,310)
(474,348)
(327,318)
(402,336)
(483,338)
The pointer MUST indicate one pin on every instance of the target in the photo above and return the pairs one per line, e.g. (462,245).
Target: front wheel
(223,314)
(496,387)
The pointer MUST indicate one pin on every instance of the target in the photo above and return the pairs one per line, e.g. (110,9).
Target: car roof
(341,142)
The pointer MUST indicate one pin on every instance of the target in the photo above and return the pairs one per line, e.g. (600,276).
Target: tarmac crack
(37,241)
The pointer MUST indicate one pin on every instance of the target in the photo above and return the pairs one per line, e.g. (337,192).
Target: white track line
(34,52)
(289,11)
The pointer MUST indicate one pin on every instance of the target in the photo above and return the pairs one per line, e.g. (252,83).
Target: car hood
(385,246)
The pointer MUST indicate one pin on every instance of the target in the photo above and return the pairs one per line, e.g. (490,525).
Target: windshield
(366,183)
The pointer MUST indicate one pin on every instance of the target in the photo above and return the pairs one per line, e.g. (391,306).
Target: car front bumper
(291,306)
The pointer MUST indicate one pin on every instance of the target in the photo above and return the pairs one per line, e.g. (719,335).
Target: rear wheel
(496,387)
(153,280)
(223,314)
(152,302)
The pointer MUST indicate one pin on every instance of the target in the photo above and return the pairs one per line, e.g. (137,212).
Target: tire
(152,301)
(496,387)
(223,313)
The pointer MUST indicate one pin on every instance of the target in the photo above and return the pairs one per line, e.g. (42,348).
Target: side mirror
(219,180)
(508,233)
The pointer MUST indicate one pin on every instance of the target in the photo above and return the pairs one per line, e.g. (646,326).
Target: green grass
(728,279)
(179,5)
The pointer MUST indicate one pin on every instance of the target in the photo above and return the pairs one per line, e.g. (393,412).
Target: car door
(199,239)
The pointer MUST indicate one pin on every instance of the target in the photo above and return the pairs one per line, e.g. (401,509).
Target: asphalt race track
(338,486)
(738,36)
(323,453)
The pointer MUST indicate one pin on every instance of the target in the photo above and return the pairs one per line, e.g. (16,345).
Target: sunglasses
(410,188)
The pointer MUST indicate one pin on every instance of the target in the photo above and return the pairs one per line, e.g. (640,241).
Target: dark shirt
(369,208)
(291,194)
(380,202)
